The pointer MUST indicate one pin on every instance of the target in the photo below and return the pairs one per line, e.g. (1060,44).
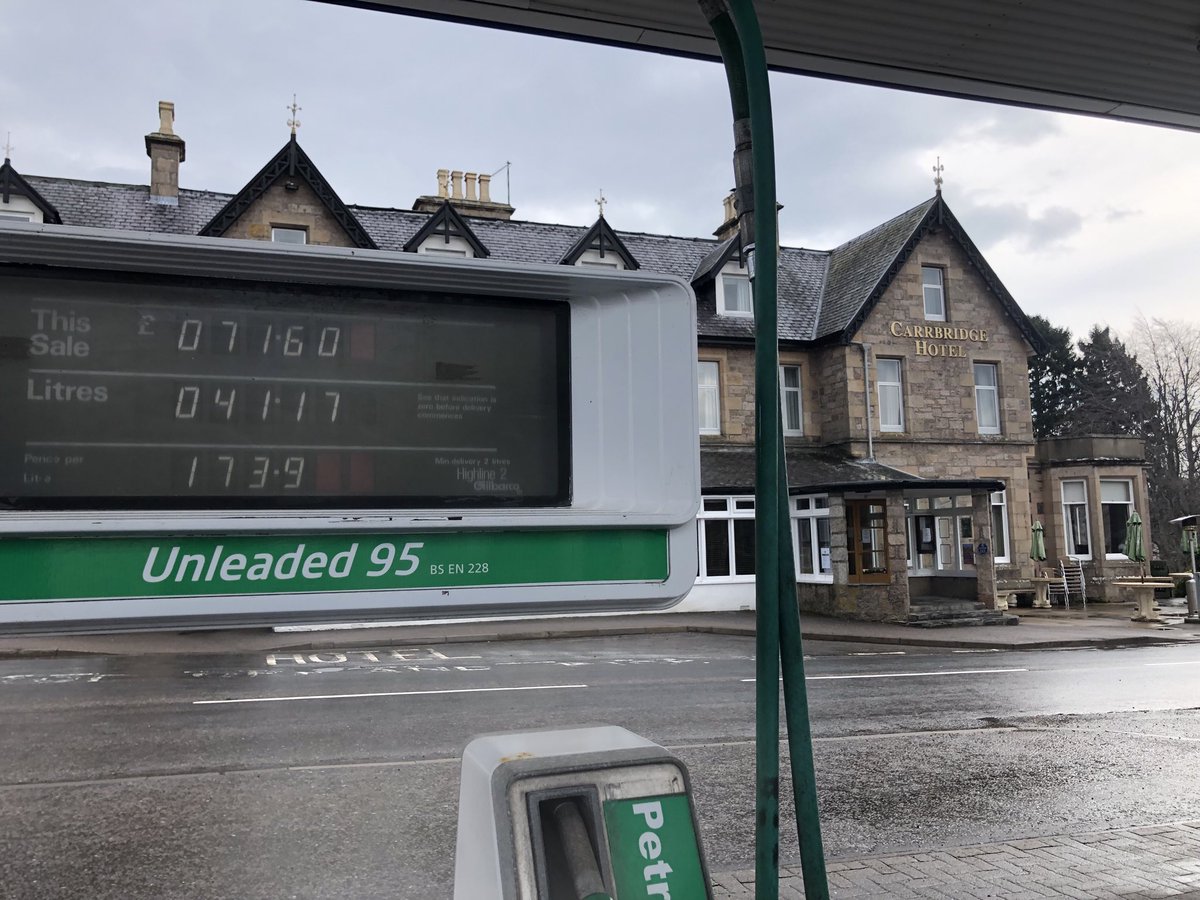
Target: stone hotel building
(913,473)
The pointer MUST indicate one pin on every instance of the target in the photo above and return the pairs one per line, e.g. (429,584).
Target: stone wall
(299,208)
(1099,571)
(870,602)
(736,367)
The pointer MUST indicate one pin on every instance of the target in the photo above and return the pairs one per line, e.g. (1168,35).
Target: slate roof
(726,469)
(861,267)
(823,295)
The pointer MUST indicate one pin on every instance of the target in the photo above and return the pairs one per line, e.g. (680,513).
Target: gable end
(290,162)
(601,238)
(11,183)
(939,216)
(447,223)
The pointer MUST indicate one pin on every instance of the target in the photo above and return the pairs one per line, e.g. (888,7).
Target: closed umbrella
(1037,547)
(1135,544)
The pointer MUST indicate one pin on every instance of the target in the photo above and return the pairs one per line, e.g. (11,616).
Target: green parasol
(1037,547)
(1135,544)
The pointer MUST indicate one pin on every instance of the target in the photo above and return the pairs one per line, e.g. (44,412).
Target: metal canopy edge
(1107,58)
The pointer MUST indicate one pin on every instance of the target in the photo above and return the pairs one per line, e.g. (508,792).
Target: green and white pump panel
(200,431)
(594,813)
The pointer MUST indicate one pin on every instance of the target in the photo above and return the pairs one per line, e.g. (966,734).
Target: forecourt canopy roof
(1113,58)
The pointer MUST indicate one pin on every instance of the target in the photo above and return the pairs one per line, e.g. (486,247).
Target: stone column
(897,550)
(985,567)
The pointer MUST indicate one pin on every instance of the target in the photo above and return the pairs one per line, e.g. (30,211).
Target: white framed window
(1076,523)
(709,396)
(1116,506)
(733,292)
(934,289)
(288,235)
(1000,546)
(726,536)
(987,398)
(16,216)
(888,378)
(811,538)
(791,401)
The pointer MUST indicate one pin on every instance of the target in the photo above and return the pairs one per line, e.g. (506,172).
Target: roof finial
(8,147)
(937,175)
(600,201)
(293,122)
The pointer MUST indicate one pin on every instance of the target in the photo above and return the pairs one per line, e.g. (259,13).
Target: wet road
(336,774)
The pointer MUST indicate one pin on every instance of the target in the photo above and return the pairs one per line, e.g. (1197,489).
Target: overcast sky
(1085,221)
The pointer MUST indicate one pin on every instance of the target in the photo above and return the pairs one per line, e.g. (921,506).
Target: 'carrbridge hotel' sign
(926,335)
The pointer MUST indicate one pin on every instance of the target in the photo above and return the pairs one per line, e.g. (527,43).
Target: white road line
(1182,662)
(537,687)
(905,674)
(880,653)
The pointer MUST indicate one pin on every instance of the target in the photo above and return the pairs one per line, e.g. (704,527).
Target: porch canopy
(730,470)
(1109,58)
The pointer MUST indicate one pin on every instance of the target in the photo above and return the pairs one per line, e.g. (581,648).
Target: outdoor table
(1143,592)
(1041,591)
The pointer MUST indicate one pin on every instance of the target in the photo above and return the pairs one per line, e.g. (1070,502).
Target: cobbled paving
(1155,861)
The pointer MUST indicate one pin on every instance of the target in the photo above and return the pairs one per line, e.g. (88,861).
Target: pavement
(1154,861)
(1149,862)
(1105,625)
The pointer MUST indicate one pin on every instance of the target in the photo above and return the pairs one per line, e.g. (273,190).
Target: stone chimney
(731,224)
(729,227)
(166,151)
(459,188)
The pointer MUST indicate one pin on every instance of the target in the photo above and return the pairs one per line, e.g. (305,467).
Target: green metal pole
(795,705)
(762,261)
(740,40)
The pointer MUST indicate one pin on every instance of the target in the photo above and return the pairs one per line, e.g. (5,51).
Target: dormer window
(289,235)
(733,292)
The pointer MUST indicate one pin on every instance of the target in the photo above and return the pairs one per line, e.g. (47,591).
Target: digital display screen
(174,393)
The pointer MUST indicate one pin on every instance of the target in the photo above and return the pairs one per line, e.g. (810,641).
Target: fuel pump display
(160,392)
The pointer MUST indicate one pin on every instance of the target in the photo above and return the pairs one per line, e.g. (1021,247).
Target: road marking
(880,653)
(60,677)
(1182,662)
(904,674)
(536,687)
(984,650)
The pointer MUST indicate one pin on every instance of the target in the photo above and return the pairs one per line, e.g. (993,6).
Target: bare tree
(1169,352)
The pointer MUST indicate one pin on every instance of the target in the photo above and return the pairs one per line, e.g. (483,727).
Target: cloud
(1033,232)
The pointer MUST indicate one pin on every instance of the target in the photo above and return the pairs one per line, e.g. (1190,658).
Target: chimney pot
(470,179)
(443,176)
(456,185)
(166,116)
(485,188)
